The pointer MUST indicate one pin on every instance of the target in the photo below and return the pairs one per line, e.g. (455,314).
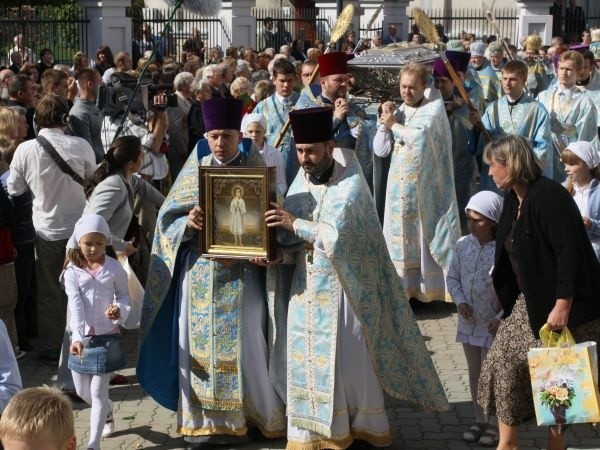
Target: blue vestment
(277,116)
(355,132)
(332,219)
(528,118)
(192,323)
(572,118)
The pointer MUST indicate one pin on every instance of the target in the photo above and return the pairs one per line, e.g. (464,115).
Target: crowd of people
(453,195)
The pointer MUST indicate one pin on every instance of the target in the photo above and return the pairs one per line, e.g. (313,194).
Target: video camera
(113,98)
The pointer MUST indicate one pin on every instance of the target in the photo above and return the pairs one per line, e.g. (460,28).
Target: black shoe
(360,445)
(25,345)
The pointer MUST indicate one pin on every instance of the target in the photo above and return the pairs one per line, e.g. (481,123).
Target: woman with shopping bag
(545,272)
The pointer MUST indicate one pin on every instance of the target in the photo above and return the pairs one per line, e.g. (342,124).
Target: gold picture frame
(234,201)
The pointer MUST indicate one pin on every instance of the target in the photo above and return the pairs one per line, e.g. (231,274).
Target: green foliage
(135,11)
(53,24)
(34,2)
(558,394)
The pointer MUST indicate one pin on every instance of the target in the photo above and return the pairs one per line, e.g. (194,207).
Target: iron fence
(305,24)
(593,18)
(62,29)
(458,20)
(213,31)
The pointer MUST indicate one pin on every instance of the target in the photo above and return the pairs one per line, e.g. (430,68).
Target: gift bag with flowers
(564,381)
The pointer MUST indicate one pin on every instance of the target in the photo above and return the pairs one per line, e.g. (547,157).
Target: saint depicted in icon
(237,209)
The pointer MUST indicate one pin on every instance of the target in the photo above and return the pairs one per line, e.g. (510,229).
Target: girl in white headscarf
(582,166)
(254,126)
(479,311)
(96,286)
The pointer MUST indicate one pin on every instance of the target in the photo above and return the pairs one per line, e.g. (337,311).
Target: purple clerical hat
(460,58)
(439,68)
(222,114)
(312,125)
(581,48)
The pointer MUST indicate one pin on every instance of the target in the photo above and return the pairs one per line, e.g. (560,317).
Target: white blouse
(89,296)
(581,195)
(469,281)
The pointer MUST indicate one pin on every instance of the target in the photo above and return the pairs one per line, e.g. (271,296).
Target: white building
(109,24)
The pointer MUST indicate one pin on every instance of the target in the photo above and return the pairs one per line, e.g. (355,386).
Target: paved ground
(142,424)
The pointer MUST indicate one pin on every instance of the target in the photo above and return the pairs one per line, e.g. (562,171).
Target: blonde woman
(545,272)
(16,309)
(242,88)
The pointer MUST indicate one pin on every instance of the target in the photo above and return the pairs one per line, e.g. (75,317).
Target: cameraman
(151,129)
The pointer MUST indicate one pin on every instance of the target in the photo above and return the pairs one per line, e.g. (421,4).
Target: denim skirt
(103,354)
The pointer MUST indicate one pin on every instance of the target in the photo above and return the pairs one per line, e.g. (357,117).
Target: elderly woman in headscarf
(582,166)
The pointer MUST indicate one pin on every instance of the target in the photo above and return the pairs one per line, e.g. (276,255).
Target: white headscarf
(89,223)
(252,118)
(487,203)
(586,152)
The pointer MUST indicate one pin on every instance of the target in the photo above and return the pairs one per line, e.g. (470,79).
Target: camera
(113,98)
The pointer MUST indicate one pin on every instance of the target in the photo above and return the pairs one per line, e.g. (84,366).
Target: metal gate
(288,24)
(212,30)
(62,29)
(474,21)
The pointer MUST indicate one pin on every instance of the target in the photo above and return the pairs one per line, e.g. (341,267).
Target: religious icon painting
(234,201)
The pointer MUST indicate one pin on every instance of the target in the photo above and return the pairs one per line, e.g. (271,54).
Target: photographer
(151,128)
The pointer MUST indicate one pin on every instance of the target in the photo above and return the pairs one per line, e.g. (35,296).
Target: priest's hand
(279,217)
(341,108)
(387,115)
(195,219)
(264,262)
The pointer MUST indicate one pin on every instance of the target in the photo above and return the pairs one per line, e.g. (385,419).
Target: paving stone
(154,427)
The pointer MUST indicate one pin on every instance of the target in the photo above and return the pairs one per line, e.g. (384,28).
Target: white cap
(586,152)
(252,118)
(487,203)
(89,223)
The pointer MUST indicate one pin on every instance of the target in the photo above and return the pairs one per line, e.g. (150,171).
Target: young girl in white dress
(479,311)
(96,286)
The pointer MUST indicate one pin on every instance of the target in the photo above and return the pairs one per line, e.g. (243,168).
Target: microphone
(200,7)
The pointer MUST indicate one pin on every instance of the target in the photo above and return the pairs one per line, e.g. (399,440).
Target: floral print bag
(564,381)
